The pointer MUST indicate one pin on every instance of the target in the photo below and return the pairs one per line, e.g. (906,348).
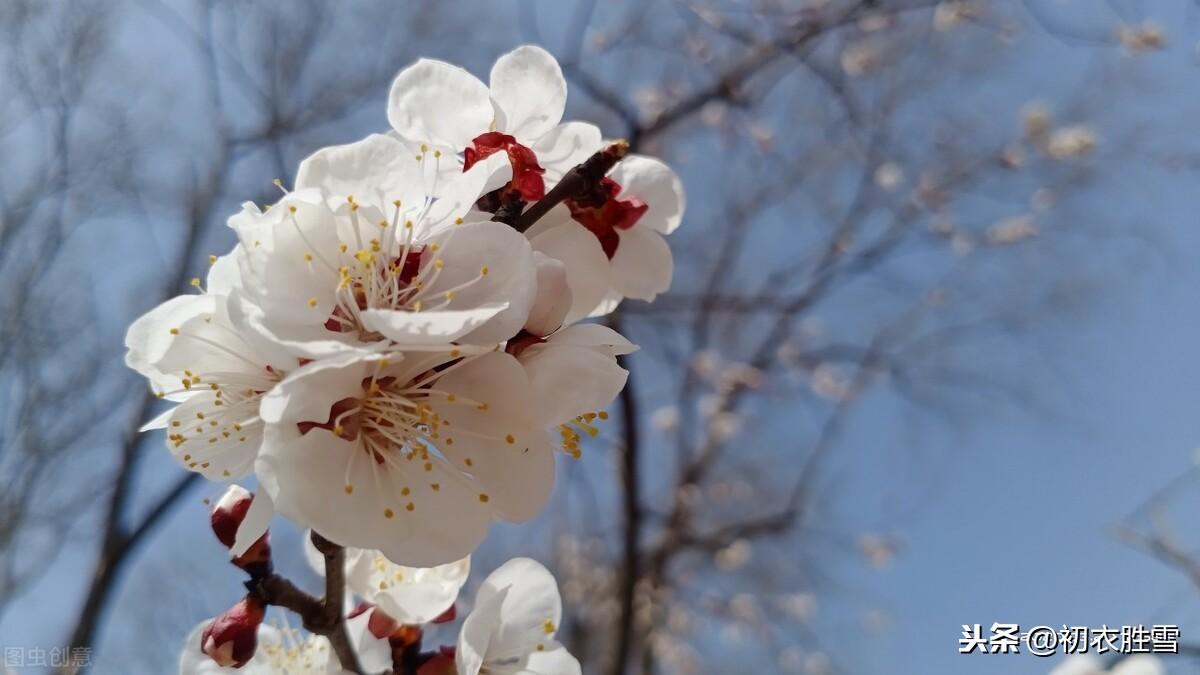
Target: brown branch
(580,178)
(632,515)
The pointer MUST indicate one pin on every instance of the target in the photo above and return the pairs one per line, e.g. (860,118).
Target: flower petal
(438,102)
(476,634)
(376,170)
(493,434)
(255,523)
(594,336)
(529,91)
(566,145)
(530,611)
(569,381)
(588,269)
(655,183)
(642,266)
(553,296)
(430,327)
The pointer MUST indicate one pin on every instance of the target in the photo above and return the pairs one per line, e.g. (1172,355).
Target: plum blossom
(516,115)
(611,240)
(410,453)
(373,249)
(286,651)
(572,370)
(511,629)
(191,352)
(406,595)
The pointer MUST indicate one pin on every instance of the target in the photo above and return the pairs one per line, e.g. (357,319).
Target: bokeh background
(929,359)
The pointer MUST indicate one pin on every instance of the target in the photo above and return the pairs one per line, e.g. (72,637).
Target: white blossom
(512,627)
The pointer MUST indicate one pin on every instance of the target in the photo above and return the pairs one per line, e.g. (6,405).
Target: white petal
(594,336)
(588,269)
(565,146)
(225,274)
(149,337)
(254,524)
(458,192)
(429,327)
(530,606)
(529,91)
(219,451)
(467,249)
(375,171)
(517,476)
(435,101)
(307,475)
(610,302)
(476,634)
(553,296)
(655,183)
(569,381)
(641,267)
(374,654)
(553,659)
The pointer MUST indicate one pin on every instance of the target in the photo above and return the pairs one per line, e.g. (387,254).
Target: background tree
(881,222)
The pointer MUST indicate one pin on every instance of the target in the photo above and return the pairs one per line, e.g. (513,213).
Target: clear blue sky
(1002,522)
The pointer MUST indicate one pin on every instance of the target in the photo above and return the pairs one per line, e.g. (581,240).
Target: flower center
(527,182)
(603,214)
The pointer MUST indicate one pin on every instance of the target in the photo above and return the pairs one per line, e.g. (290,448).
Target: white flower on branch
(611,240)
(192,354)
(412,454)
(286,651)
(517,114)
(406,595)
(511,630)
(1071,142)
(374,248)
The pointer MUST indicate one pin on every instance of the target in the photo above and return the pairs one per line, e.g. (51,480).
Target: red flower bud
(227,516)
(232,637)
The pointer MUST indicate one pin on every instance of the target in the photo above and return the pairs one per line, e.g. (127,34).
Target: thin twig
(583,176)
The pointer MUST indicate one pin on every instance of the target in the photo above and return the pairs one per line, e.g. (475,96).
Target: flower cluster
(395,347)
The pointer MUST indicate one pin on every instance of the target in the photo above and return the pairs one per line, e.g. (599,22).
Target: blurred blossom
(875,22)
(791,660)
(1012,157)
(744,607)
(733,633)
(762,135)
(650,101)
(1011,231)
(1071,142)
(889,176)
(1146,36)
(679,620)
(745,375)
(860,57)
(878,550)
(725,426)
(941,227)
(950,13)
(708,405)
(705,363)
(714,114)
(829,383)
(935,297)
(666,418)
(1035,120)
(788,353)
(734,556)
(799,606)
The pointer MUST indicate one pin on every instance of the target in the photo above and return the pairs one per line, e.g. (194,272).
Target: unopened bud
(553,299)
(228,515)
(231,639)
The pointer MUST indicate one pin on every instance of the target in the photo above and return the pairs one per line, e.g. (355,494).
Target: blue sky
(1004,521)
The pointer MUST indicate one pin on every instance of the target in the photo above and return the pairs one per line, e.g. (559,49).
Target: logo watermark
(1008,638)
